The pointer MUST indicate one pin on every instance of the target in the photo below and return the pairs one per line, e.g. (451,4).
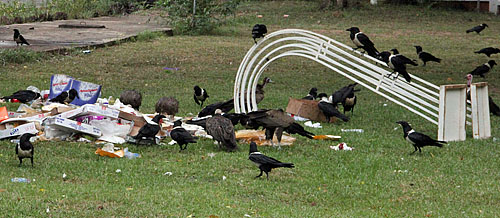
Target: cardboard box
(6,132)
(307,109)
(73,126)
(58,84)
(91,109)
(139,121)
(87,92)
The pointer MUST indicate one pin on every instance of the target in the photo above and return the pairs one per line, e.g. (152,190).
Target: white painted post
(452,112)
(481,128)
(493,6)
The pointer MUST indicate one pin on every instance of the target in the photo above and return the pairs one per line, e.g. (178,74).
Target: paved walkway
(47,36)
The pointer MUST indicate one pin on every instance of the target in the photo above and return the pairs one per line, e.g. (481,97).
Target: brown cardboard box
(307,109)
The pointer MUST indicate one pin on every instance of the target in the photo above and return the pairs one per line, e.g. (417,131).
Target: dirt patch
(47,36)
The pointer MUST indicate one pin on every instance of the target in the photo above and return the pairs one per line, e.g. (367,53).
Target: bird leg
(414,151)
(20,162)
(419,150)
(389,76)
(259,174)
(267,175)
(31,161)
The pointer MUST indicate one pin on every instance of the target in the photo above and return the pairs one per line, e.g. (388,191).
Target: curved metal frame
(419,96)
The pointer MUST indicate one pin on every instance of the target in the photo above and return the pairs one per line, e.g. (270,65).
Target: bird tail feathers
(298,129)
(287,165)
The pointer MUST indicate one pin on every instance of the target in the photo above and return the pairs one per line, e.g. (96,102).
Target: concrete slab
(47,36)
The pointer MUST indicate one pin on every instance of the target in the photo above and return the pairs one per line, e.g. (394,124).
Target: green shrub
(208,14)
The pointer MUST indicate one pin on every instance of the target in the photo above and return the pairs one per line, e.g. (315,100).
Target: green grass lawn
(378,179)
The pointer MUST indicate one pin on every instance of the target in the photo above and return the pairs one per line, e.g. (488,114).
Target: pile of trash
(87,118)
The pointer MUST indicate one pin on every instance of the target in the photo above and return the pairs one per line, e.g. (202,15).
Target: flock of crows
(219,123)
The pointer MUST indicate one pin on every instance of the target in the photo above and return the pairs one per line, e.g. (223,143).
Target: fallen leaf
(2,190)
(213,216)
(100,207)
(129,189)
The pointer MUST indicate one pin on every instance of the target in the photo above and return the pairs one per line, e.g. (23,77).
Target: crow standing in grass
(329,109)
(488,51)
(25,149)
(200,95)
(19,38)
(265,163)
(483,69)
(313,93)
(418,140)
(361,40)
(477,29)
(150,130)
(181,136)
(23,96)
(398,64)
(426,57)
(258,31)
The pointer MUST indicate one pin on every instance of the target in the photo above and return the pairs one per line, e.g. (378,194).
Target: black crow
(149,131)
(225,106)
(258,31)
(312,94)
(222,130)
(329,109)
(494,109)
(19,38)
(418,140)
(265,163)
(72,94)
(340,95)
(23,96)
(350,101)
(425,57)
(488,51)
(398,64)
(25,149)
(234,117)
(361,40)
(181,136)
(274,121)
(483,69)
(66,97)
(477,29)
(200,95)
(296,128)
(60,98)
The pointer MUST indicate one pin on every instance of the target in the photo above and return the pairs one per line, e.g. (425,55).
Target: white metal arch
(419,96)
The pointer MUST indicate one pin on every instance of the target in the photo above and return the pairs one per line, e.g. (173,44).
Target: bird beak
(348,29)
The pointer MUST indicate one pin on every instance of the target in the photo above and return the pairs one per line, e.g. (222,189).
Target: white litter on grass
(341,146)
(118,171)
(297,118)
(167,174)
(48,210)
(313,125)
(83,140)
(224,177)
(246,215)
(211,155)
(385,105)
(400,171)
(64,176)
(173,142)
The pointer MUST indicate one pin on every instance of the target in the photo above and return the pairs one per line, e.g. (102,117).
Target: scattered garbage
(118,171)
(3,113)
(327,137)
(353,130)
(171,68)
(313,125)
(64,176)
(167,174)
(224,178)
(341,146)
(495,139)
(86,51)
(258,136)
(130,155)
(21,180)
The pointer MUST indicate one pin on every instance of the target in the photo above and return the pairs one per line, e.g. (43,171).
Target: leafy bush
(207,16)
